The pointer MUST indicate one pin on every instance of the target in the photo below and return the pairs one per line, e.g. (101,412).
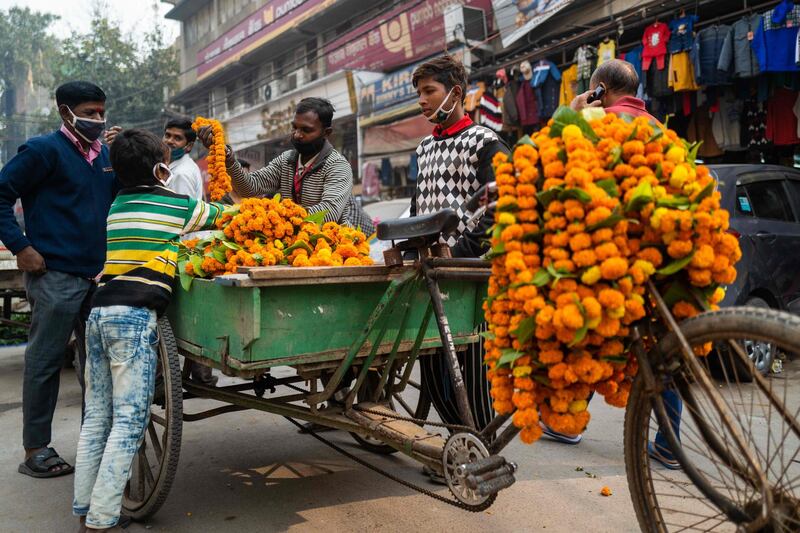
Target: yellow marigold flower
(679,176)
(577,406)
(571,131)
(591,276)
(676,155)
(506,219)
(717,296)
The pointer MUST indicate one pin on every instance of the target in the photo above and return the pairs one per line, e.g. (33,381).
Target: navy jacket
(65,201)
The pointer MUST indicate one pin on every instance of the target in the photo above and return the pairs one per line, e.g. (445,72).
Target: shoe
(561,437)
(665,458)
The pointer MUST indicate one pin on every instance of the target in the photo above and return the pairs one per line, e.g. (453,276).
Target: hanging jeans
(120,375)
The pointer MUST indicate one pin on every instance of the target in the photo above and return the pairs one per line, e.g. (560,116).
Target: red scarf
(464,123)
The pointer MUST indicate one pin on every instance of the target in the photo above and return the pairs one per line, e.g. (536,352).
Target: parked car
(764,203)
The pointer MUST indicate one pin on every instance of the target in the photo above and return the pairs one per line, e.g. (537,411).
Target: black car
(764,203)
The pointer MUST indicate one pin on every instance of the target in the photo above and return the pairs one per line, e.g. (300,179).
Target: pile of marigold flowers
(271,231)
(219,182)
(588,212)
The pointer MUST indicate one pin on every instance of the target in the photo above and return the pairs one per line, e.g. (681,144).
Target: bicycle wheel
(764,412)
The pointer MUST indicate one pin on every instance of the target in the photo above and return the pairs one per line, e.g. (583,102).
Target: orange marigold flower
(614,267)
(679,248)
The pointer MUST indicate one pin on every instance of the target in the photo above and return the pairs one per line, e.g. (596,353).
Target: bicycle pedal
(488,476)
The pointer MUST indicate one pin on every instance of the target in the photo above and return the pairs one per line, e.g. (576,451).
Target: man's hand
(29,260)
(206,136)
(579,102)
(111,134)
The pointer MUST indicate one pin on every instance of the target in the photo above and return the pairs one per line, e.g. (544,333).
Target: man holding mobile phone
(613,87)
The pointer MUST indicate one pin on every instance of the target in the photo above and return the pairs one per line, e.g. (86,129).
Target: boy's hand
(29,260)
(111,134)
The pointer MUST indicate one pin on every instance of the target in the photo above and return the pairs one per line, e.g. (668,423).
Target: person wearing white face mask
(66,184)
(145,224)
(454,162)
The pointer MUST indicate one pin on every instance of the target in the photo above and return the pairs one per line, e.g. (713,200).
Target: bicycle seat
(443,222)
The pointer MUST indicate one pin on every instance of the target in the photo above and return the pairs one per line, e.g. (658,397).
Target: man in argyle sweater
(456,159)
(454,162)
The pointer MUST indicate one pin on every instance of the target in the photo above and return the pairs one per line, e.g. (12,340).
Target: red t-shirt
(781,121)
(655,39)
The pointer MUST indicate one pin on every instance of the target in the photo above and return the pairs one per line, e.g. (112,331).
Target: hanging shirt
(584,59)
(775,40)
(708,49)
(681,73)
(606,51)
(754,125)
(654,41)
(510,112)
(371,183)
(700,130)
(490,114)
(634,57)
(473,98)
(546,82)
(726,124)
(736,50)
(782,125)
(658,82)
(526,105)
(569,80)
(682,34)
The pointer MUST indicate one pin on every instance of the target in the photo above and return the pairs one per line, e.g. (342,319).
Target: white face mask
(167,181)
(441,115)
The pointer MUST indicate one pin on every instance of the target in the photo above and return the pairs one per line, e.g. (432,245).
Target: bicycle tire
(732,323)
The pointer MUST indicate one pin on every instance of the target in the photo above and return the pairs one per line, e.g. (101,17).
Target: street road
(251,471)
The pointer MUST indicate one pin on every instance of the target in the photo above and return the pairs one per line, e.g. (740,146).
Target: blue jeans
(58,302)
(120,375)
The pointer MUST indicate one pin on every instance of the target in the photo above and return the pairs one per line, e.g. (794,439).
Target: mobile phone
(596,94)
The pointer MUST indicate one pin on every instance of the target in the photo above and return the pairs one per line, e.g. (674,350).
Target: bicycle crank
(472,474)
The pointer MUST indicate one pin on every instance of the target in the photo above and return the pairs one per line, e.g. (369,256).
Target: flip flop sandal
(41,465)
(665,461)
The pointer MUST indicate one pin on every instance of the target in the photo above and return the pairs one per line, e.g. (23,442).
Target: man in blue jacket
(66,185)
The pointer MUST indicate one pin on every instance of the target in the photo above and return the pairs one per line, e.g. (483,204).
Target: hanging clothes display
(387,174)
(681,73)
(473,97)
(708,48)
(654,41)
(584,59)
(526,104)
(370,181)
(682,34)
(547,83)
(658,81)
(510,112)
(737,51)
(700,130)
(726,124)
(754,125)
(781,124)
(490,114)
(776,39)
(606,51)
(569,82)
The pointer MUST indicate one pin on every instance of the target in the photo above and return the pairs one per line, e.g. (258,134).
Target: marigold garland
(271,231)
(587,213)
(220,182)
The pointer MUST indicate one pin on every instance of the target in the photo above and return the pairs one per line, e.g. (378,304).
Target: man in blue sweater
(66,184)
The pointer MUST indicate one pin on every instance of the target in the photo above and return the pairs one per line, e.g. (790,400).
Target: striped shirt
(143,227)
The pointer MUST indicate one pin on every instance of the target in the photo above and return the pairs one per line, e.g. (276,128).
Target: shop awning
(402,136)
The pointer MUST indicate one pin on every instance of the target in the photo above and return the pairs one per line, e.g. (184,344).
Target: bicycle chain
(422,490)
(419,421)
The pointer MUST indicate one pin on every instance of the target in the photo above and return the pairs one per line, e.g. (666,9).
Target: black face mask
(307,149)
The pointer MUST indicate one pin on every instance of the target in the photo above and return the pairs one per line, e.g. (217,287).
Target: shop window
(249,89)
(768,199)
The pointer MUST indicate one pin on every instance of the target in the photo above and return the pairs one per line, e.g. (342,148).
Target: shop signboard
(263,25)
(515,18)
(402,36)
(394,88)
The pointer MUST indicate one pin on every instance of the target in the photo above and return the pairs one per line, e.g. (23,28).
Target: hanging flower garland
(220,182)
(587,212)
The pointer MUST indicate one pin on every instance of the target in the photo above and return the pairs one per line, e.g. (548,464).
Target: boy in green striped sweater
(144,225)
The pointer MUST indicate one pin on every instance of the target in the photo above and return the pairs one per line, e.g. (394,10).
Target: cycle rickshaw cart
(353,335)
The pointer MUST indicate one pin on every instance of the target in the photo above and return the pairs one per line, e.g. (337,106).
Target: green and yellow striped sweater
(144,226)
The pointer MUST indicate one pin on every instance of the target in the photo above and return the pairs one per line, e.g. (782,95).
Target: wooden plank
(287,272)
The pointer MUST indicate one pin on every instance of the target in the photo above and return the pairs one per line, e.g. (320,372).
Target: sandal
(665,458)
(41,465)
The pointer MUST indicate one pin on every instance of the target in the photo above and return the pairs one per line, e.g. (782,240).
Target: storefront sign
(392,89)
(515,18)
(263,25)
(402,36)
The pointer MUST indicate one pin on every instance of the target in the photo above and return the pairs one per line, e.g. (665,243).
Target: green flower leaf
(487,335)
(575,194)
(526,140)
(642,195)
(705,193)
(219,235)
(231,245)
(609,222)
(616,152)
(541,278)
(545,197)
(565,116)
(508,357)
(317,218)
(496,251)
(610,186)
(525,330)
(295,246)
(218,253)
(675,266)
(676,202)
(633,134)
(183,276)
(579,335)
(656,136)
(197,264)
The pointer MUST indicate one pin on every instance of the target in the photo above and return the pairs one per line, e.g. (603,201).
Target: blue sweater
(65,201)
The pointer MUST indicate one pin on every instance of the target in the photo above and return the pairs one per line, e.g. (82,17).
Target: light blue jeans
(120,375)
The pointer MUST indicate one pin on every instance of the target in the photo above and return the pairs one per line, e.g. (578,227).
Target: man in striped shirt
(144,225)
(314,174)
